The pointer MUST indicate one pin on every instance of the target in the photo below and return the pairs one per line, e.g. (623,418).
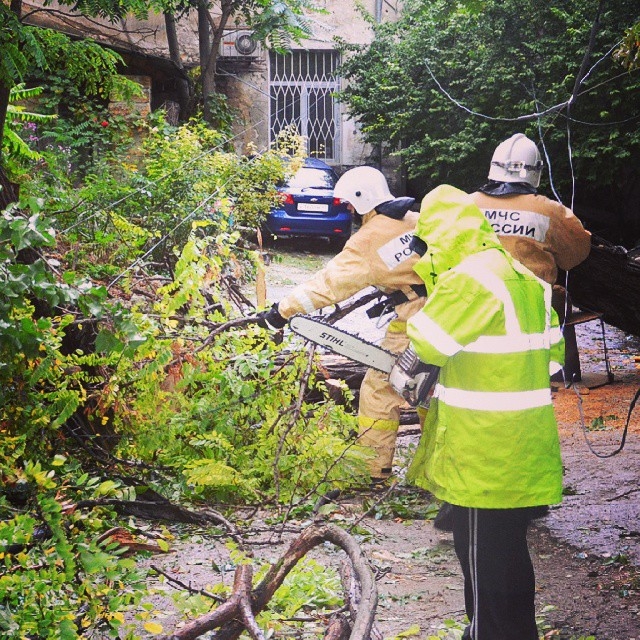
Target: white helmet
(364,188)
(516,160)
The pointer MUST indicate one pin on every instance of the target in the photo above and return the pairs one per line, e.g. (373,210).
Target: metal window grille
(301,87)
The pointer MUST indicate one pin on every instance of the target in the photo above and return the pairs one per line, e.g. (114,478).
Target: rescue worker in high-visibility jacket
(377,255)
(541,233)
(490,444)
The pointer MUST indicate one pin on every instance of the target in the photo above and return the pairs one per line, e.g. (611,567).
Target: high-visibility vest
(490,438)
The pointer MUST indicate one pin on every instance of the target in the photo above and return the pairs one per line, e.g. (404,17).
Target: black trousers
(499,582)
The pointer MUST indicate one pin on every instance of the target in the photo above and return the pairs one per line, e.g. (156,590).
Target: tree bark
(338,627)
(210,35)
(586,60)
(8,190)
(184,85)
(353,596)
(4,105)
(335,367)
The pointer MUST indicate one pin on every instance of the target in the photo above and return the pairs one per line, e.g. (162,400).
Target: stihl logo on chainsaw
(331,339)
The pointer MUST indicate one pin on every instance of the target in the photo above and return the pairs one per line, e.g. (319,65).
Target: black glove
(271,319)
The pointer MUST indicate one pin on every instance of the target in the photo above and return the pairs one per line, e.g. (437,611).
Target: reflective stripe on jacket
(490,438)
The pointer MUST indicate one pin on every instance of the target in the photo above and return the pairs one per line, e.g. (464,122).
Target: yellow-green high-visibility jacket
(490,438)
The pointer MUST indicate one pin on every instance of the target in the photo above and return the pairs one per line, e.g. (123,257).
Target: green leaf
(107,342)
(66,406)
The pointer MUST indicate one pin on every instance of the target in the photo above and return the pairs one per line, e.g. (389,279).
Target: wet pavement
(600,513)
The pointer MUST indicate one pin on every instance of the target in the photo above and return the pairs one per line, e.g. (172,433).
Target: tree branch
(232,618)
(587,54)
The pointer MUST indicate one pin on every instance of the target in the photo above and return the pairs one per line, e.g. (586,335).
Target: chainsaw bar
(343,343)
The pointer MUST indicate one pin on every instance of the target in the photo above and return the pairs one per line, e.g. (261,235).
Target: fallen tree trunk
(335,367)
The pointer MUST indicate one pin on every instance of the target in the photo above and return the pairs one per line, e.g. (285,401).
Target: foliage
(230,428)
(24,51)
(90,377)
(221,115)
(41,383)
(629,51)
(412,505)
(602,423)
(19,46)
(439,90)
(114,9)
(21,283)
(449,630)
(229,424)
(60,577)
(87,376)
(15,150)
(78,69)
(80,80)
(309,588)
(77,78)
(143,205)
(64,580)
(279,22)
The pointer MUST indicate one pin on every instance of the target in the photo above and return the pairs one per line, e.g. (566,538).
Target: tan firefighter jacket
(377,255)
(540,233)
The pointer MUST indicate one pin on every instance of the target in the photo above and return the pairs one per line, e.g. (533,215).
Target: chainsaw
(410,377)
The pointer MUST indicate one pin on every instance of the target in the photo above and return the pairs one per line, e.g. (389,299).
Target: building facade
(273,91)
(269,91)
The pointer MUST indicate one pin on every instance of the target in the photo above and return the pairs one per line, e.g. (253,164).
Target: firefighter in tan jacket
(377,255)
(542,234)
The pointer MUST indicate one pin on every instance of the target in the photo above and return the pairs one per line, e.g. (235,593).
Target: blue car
(309,208)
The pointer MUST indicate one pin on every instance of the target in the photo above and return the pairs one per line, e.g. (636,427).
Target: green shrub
(60,578)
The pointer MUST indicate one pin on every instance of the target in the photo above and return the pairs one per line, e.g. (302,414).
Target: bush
(109,358)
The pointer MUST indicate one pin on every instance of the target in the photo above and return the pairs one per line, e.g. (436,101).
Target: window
(301,84)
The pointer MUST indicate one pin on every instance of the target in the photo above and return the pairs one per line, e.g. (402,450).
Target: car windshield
(309,178)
